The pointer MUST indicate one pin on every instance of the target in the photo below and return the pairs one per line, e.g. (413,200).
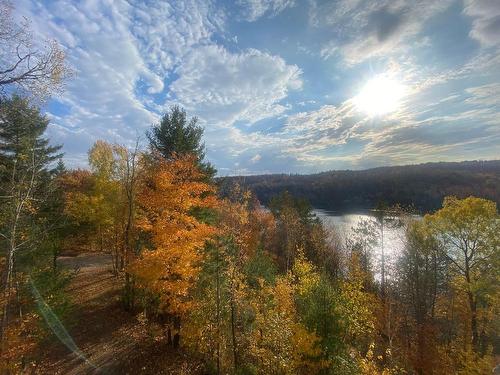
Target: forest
(145,261)
(423,186)
(241,288)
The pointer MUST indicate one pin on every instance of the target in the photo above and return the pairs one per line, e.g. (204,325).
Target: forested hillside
(423,186)
(200,282)
(141,261)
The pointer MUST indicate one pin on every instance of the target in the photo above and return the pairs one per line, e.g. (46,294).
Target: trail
(107,337)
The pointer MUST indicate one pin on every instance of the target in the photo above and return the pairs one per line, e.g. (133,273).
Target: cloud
(224,87)
(308,137)
(485,95)
(252,10)
(467,129)
(134,60)
(255,158)
(486,20)
(167,30)
(418,132)
(101,100)
(363,29)
(437,140)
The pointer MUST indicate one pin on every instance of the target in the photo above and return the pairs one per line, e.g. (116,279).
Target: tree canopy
(178,135)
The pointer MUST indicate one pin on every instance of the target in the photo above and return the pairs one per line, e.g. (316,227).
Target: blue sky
(275,82)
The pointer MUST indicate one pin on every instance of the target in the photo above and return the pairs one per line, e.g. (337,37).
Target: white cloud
(135,58)
(486,20)
(223,87)
(255,158)
(368,29)
(167,30)
(254,9)
(415,133)
(101,101)
(485,95)
(126,54)
(310,134)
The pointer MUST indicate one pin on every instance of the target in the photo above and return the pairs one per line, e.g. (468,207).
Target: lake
(345,222)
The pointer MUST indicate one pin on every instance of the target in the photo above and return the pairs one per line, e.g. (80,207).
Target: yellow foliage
(280,343)
(371,365)
(357,305)
(305,273)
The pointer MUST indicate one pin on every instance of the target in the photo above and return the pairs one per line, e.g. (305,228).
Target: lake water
(344,224)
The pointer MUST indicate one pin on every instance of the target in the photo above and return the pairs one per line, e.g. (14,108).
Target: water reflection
(345,223)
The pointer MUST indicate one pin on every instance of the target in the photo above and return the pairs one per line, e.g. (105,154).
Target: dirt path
(111,339)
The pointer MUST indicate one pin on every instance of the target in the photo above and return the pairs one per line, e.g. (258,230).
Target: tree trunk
(218,310)
(55,253)
(383,256)
(473,310)
(6,291)
(169,336)
(472,306)
(177,335)
(233,335)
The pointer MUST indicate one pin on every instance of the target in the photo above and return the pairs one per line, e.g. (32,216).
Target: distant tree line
(422,186)
(213,276)
(234,287)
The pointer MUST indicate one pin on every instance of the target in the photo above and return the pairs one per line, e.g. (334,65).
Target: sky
(281,85)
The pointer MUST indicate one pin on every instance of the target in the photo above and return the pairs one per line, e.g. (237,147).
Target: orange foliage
(248,227)
(170,191)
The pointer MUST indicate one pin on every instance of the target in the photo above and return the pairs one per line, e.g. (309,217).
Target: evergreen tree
(22,144)
(176,134)
(26,158)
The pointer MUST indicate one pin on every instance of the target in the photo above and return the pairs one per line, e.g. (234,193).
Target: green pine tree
(176,134)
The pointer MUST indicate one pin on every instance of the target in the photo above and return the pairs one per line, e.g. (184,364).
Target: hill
(424,185)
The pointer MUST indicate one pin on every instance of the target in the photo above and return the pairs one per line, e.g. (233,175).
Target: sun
(380,95)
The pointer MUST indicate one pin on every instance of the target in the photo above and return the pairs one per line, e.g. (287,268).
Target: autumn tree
(77,185)
(217,323)
(128,171)
(421,278)
(246,317)
(107,205)
(280,343)
(96,203)
(103,201)
(468,232)
(297,227)
(362,244)
(52,216)
(170,263)
(28,65)
(356,306)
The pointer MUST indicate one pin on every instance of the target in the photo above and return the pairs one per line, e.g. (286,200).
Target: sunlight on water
(345,223)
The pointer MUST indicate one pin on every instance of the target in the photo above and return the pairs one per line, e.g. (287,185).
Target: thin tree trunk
(475,335)
(472,306)
(7,289)
(129,188)
(218,310)
(177,335)
(383,256)
(20,198)
(233,328)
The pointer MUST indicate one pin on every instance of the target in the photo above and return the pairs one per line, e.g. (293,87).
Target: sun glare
(379,96)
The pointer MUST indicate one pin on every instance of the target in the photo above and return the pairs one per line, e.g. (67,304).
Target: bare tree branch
(33,67)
